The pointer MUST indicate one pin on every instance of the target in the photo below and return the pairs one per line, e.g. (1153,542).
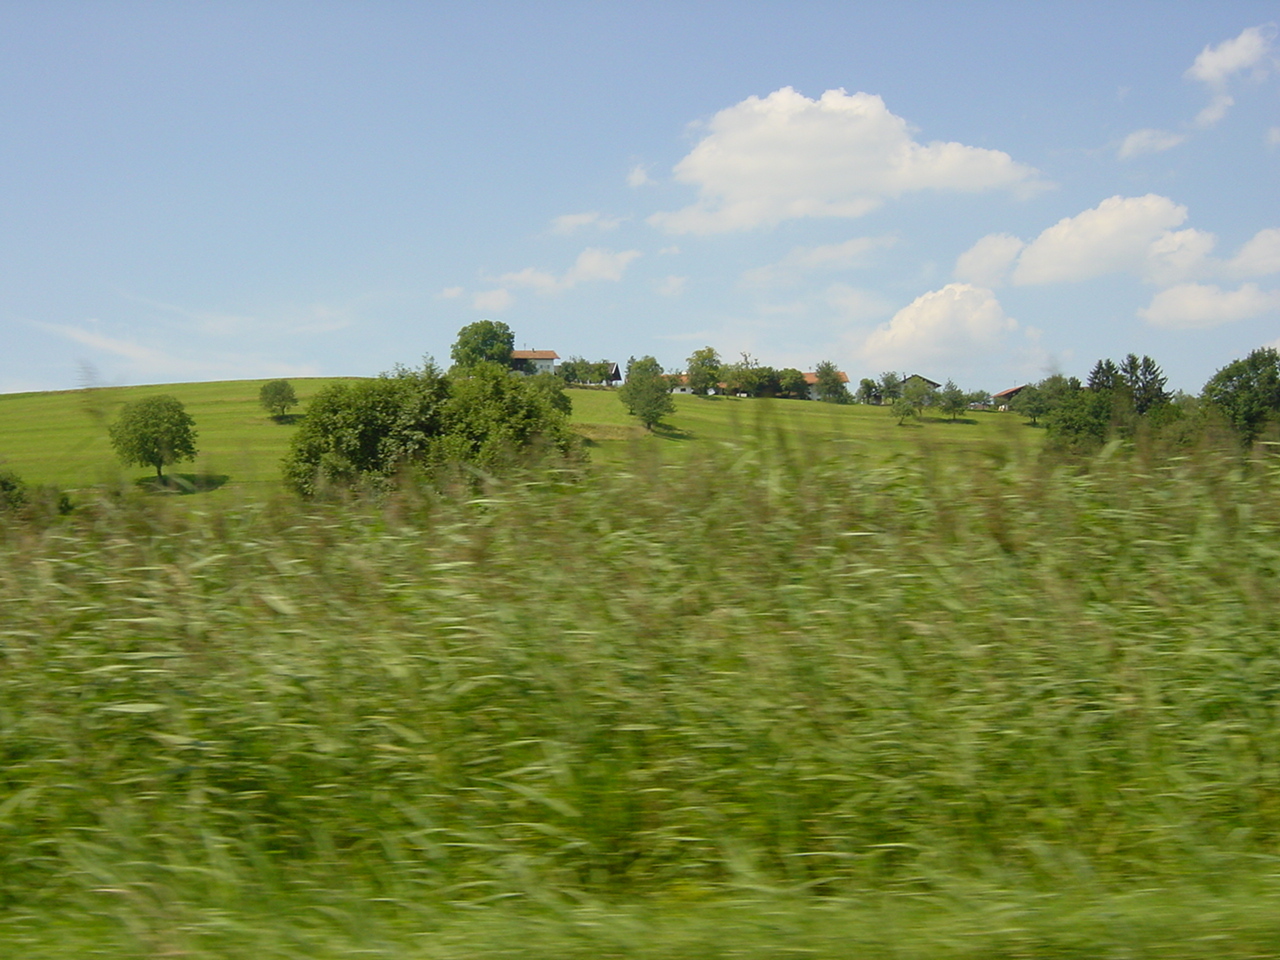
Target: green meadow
(60,438)
(780,679)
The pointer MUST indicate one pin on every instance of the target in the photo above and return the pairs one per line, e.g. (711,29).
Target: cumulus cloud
(785,156)
(1200,306)
(594,263)
(1258,257)
(957,323)
(1149,141)
(802,260)
(1176,255)
(492,301)
(987,262)
(569,222)
(1121,234)
(1216,66)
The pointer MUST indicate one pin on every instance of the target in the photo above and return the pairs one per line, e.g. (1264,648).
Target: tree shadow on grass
(183,483)
(967,420)
(668,432)
(286,418)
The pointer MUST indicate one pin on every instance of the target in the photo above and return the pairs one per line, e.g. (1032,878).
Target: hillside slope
(61,438)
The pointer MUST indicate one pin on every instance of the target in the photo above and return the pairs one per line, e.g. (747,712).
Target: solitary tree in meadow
(277,396)
(154,432)
(646,393)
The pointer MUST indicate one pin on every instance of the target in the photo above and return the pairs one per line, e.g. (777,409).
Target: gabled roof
(1011,392)
(811,378)
(916,376)
(534,355)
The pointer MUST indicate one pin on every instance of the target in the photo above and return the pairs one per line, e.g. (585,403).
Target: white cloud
(957,323)
(1177,255)
(451,293)
(1215,111)
(597,264)
(1117,235)
(1258,257)
(639,177)
(593,263)
(1216,65)
(801,260)
(785,157)
(672,286)
(668,251)
(1199,306)
(539,280)
(493,301)
(1149,141)
(569,222)
(987,262)
(1273,137)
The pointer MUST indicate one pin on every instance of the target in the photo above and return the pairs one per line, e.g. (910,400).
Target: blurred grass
(951,703)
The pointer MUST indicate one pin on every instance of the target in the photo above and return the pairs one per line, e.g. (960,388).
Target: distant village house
(535,361)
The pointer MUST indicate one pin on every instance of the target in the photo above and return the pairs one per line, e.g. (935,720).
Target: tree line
(1130,399)
(478,415)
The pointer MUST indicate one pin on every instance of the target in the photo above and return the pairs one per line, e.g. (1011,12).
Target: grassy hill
(60,437)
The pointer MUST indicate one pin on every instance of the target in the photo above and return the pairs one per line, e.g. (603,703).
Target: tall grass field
(766,693)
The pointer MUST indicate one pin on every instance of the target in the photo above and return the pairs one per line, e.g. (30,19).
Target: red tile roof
(812,378)
(534,355)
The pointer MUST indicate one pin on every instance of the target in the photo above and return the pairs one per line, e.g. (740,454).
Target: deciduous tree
(831,386)
(365,434)
(1031,402)
(791,383)
(703,370)
(1248,392)
(890,386)
(953,400)
(483,341)
(646,392)
(277,396)
(155,432)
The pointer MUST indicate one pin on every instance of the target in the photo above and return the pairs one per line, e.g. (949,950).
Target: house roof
(811,378)
(534,355)
(916,376)
(1011,392)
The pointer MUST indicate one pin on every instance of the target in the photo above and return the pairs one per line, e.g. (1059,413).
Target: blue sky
(981,191)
